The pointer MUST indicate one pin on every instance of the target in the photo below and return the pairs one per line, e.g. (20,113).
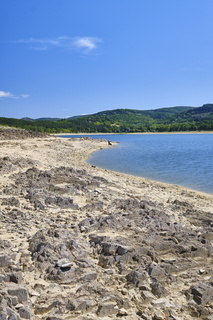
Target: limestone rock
(107,309)
(202,293)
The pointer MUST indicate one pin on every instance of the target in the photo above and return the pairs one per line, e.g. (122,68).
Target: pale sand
(55,152)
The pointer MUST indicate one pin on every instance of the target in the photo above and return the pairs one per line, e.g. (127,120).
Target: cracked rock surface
(79,242)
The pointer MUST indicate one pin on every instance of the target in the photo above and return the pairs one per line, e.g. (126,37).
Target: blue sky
(61,58)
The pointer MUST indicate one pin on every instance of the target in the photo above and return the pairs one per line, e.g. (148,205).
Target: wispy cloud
(24,95)
(85,45)
(4,94)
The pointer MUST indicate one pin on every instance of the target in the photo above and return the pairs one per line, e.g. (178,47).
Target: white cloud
(4,94)
(85,44)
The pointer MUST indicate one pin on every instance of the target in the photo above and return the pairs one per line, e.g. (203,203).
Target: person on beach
(109,143)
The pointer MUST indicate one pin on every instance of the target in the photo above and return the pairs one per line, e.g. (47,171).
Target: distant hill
(197,114)
(47,119)
(54,119)
(135,117)
(180,118)
(27,119)
(75,117)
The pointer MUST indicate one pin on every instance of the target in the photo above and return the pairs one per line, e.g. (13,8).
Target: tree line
(86,126)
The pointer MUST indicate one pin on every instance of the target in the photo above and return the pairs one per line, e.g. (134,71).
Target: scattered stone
(16,134)
(64,263)
(107,309)
(75,244)
(20,292)
(202,293)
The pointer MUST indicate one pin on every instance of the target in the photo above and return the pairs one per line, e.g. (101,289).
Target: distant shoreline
(124,133)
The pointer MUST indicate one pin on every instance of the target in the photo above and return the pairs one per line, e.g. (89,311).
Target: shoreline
(165,184)
(148,179)
(110,133)
(84,242)
(82,152)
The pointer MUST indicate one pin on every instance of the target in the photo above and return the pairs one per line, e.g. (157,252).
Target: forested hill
(124,121)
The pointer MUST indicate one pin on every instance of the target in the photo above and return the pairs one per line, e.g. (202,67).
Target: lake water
(182,159)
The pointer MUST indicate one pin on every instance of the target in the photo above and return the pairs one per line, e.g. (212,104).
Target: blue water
(182,159)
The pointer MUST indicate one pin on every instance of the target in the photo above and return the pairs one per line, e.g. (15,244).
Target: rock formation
(78,242)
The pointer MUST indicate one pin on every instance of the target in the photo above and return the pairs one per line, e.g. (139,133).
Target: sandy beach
(80,242)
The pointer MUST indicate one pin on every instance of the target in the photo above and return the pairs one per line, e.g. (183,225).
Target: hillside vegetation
(124,121)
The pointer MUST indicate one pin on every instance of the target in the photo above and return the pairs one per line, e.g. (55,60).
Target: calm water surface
(182,159)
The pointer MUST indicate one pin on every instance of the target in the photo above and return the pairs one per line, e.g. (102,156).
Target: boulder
(107,309)
(5,261)
(137,277)
(20,292)
(202,293)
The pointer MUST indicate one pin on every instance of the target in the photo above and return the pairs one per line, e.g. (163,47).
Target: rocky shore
(79,242)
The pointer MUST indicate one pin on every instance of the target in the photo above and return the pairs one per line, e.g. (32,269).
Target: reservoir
(182,159)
